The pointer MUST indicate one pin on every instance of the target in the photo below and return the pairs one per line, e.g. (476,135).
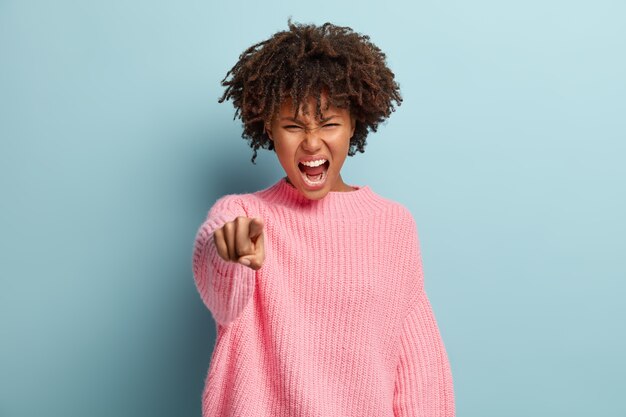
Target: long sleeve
(423,376)
(335,323)
(225,287)
(423,386)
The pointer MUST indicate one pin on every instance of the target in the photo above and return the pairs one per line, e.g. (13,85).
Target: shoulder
(234,204)
(401,235)
(396,210)
(407,222)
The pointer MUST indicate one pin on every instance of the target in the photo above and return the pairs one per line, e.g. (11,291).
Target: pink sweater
(336,321)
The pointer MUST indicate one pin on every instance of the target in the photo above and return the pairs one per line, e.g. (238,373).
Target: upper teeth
(313,163)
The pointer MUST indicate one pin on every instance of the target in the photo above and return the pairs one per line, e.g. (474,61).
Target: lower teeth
(316,179)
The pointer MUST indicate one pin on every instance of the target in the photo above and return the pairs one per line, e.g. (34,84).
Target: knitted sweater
(335,323)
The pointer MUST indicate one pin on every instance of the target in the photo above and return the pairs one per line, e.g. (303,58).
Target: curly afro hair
(305,61)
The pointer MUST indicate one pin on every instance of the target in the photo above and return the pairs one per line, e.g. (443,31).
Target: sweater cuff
(423,385)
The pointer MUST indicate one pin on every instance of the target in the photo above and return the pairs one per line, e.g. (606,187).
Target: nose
(312,140)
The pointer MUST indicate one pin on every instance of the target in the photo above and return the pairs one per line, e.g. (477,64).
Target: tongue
(312,171)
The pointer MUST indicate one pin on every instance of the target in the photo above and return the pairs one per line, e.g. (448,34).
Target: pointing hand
(241,240)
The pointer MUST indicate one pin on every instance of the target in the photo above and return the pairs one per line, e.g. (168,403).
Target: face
(307,140)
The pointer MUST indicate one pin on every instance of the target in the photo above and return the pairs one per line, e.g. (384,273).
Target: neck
(358,203)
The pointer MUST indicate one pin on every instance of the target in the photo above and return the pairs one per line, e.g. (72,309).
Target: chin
(313,194)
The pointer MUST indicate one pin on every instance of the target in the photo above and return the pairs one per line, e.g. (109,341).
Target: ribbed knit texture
(335,323)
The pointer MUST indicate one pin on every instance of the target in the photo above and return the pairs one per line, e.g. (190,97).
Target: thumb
(251,261)
(255,232)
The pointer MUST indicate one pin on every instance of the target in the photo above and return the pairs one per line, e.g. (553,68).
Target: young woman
(316,285)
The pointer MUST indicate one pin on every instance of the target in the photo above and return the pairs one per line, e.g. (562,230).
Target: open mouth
(314,176)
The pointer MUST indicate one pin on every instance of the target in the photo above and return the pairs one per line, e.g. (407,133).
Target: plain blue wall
(509,150)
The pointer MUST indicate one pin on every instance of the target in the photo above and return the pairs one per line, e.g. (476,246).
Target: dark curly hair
(302,62)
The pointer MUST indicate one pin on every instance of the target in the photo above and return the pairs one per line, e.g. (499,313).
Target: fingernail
(245,261)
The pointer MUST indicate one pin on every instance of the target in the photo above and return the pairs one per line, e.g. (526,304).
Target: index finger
(255,228)
(247,236)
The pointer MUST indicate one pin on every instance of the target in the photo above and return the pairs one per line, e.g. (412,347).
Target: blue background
(509,151)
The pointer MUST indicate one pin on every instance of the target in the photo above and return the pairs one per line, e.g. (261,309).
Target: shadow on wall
(217,163)
(231,171)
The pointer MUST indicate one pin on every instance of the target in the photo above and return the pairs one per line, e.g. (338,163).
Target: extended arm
(225,287)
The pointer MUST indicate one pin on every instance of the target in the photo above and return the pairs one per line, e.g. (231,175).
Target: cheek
(346,141)
(284,154)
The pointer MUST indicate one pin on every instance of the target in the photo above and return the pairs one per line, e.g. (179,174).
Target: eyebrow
(300,121)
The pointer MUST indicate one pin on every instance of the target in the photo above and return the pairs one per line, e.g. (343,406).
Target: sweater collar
(336,204)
